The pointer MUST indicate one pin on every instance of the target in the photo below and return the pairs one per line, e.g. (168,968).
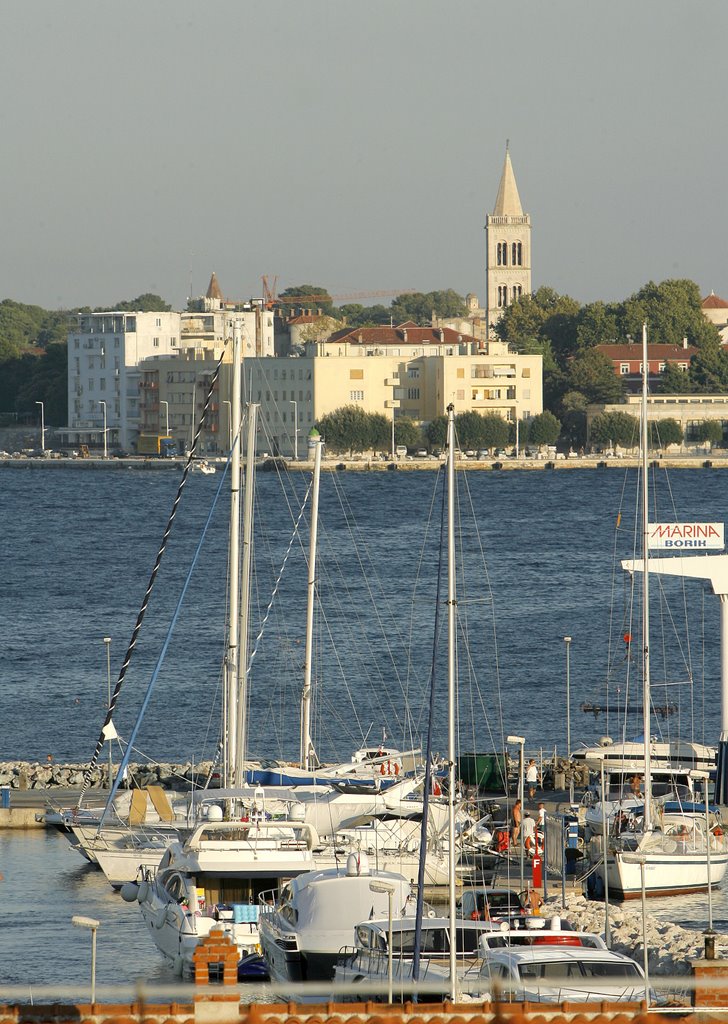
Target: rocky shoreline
(29,775)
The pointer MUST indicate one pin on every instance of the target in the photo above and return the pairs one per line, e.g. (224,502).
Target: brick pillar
(223,1006)
(710,971)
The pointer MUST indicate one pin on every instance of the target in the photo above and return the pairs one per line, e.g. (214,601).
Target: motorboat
(214,879)
(305,925)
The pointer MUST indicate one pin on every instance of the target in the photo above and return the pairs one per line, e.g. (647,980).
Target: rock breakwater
(28,775)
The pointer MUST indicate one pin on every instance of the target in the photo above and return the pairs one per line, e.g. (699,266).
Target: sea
(538,558)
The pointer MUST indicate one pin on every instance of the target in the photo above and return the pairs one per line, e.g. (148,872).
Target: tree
(674,381)
(419,306)
(436,432)
(308,296)
(407,432)
(319,329)
(469,430)
(356,315)
(709,369)
(615,428)
(665,432)
(543,316)
(146,303)
(672,311)
(597,324)
(350,429)
(544,429)
(709,431)
(593,375)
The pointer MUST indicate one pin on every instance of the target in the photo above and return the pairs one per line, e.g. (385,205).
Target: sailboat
(673,852)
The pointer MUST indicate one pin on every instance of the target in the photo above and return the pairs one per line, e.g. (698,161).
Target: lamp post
(166,417)
(103,406)
(92,924)
(107,642)
(389,889)
(520,740)
(709,933)
(42,426)
(295,429)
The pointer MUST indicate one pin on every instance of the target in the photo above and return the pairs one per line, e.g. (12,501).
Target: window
(102,384)
(502,254)
(683,366)
(526,393)
(155,342)
(460,395)
(460,372)
(356,396)
(624,368)
(413,372)
(75,343)
(517,254)
(91,384)
(158,322)
(356,375)
(526,371)
(517,291)
(413,393)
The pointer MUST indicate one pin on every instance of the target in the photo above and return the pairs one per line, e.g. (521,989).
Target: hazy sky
(357,145)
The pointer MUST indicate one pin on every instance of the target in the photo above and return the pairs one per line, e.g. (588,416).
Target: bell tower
(508,248)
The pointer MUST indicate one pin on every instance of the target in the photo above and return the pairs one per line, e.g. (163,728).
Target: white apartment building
(104,351)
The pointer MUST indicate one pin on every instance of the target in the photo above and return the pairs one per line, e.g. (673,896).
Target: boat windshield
(558,970)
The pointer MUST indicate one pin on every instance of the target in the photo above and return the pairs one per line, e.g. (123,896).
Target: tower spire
(508,202)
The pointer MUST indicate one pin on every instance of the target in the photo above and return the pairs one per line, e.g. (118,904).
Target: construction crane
(271,299)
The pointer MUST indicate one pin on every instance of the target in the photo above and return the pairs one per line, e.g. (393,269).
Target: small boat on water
(202,466)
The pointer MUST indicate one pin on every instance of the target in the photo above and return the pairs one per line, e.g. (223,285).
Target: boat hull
(665,875)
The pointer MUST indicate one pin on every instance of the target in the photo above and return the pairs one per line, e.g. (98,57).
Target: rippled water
(77,548)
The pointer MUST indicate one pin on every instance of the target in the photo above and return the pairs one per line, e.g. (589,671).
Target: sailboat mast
(247,551)
(233,650)
(646,698)
(451,690)
(314,442)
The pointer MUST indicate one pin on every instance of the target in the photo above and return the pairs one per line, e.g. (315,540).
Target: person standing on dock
(515,822)
(532,778)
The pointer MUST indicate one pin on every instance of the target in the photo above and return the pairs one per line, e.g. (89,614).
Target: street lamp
(103,406)
(166,417)
(92,924)
(42,426)
(107,641)
(295,429)
(389,889)
(520,740)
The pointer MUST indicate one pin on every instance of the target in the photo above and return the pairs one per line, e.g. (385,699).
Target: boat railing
(226,831)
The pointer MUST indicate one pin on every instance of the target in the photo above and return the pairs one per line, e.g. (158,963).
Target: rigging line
(496,650)
(610,653)
(150,586)
(165,646)
(276,585)
(428,746)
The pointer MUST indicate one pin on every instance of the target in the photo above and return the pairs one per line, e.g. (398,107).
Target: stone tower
(508,248)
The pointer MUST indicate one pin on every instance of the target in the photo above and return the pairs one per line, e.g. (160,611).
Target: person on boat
(532,778)
(636,787)
(529,834)
(516,814)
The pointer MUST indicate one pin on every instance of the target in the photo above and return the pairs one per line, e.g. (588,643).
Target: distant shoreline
(362,465)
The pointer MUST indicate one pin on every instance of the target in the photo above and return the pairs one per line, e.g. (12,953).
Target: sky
(357,145)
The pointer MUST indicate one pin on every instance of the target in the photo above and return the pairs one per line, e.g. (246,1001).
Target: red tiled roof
(656,351)
(714,301)
(406,333)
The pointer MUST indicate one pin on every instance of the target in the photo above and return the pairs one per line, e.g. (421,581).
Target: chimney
(404,334)
(685,342)
(442,335)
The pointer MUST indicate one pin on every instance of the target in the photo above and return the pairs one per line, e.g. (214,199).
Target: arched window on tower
(502,254)
(517,254)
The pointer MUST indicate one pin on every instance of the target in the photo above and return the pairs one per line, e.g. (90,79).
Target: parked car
(483,453)
(420,453)
(501,453)
(470,454)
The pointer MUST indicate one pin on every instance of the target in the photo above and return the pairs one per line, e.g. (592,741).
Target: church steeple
(508,202)
(508,247)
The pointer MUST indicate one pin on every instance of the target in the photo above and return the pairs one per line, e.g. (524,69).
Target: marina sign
(679,536)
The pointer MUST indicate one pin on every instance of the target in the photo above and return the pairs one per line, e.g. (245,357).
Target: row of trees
(350,429)
(619,428)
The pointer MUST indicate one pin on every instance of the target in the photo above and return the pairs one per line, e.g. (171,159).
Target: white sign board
(685,536)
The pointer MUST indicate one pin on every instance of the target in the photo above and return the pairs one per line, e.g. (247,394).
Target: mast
(314,441)
(646,698)
(247,551)
(451,691)
(233,651)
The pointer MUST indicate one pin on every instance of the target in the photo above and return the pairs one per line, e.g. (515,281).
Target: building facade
(508,248)
(689,411)
(104,351)
(409,371)
(626,361)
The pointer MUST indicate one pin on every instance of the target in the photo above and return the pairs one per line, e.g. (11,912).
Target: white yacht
(314,916)
(214,879)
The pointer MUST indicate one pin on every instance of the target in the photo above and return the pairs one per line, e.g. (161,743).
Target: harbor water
(77,550)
